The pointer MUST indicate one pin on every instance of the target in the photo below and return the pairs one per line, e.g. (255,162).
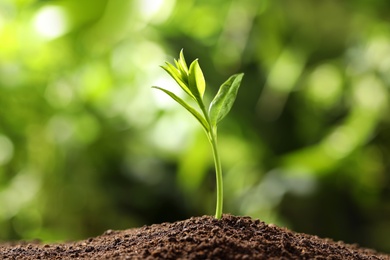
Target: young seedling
(192,81)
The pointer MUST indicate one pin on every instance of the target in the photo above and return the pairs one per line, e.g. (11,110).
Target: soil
(204,237)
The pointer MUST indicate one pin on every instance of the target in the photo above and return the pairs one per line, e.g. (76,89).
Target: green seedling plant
(192,82)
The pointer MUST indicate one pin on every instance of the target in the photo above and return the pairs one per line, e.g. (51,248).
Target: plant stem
(212,136)
(218,172)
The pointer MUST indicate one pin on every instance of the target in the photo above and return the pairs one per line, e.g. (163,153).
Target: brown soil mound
(196,238)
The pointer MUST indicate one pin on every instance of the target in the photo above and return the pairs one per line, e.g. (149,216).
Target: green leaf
(196,82)
(182,71)
(181,66)
(182,62)
(223,101)
(192,110)
(176,75)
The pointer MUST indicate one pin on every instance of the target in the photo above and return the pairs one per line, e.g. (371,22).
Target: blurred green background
(86,145)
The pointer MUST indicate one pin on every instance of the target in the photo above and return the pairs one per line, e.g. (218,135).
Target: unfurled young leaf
(177,76)
(182,70)
(183,74)
(196,81)
(223,101)
(182,62)
(192,110)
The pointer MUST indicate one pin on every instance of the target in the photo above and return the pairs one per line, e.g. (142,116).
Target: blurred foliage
(87,145)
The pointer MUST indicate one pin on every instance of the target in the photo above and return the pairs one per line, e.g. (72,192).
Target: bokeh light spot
(324,85)
(155,10)
(51,22)
(370,93)
(286,71)
(340,143)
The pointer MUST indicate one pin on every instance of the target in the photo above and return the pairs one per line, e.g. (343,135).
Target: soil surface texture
(204,237)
